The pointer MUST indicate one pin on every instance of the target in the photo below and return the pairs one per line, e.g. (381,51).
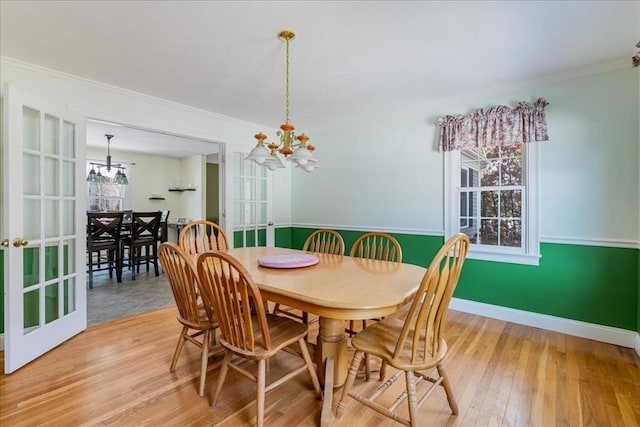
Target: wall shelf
(182,189)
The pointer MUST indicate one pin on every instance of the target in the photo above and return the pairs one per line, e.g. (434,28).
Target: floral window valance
(496,126)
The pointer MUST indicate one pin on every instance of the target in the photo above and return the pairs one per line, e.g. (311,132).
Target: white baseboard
(608,334)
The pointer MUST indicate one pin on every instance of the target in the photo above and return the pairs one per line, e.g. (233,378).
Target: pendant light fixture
(296,149)
(98,178)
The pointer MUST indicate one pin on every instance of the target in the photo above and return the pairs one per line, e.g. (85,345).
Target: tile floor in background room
(110,300)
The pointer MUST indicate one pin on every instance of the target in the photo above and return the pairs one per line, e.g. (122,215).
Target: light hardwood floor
(117,373)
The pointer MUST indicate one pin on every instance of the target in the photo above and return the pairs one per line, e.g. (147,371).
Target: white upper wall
(386,173)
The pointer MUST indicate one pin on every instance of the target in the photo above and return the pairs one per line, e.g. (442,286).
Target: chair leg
(312,371)
(132,257)
(383,370)
(223,374)
(90,270)
(118,265)
(261,392)
(353,371)
(204,360)
(447,389)
(412,397)
(154,251)
(367,367)
(178,350)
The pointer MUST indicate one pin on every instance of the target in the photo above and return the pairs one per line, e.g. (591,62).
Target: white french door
(250,207)
(44,236)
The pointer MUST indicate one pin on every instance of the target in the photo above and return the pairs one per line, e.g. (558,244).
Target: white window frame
(529,254)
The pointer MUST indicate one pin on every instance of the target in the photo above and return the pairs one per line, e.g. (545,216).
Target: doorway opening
(168,172)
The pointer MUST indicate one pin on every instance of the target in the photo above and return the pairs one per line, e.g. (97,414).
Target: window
(107,196)
(491,197)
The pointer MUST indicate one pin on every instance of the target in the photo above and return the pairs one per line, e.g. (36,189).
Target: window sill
(504,257)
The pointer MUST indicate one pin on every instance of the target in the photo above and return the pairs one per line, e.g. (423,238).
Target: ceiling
(350,59)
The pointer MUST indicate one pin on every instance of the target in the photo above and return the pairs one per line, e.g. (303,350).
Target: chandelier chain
(286,81)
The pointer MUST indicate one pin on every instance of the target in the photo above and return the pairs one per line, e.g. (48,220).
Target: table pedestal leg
(333,363)
(332,342)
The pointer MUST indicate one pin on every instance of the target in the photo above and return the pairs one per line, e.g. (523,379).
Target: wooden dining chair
(246,330)
(320,241)
(103,237)
(142,243)
(197,328)
(201,236)
(374,245)
(415,343)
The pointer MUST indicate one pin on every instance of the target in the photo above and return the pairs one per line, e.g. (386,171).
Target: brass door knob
(19,241)
(5,243)
(270,223)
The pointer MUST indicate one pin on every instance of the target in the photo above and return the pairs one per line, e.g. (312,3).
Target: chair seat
(381,338)
(283,331)
(203,323)
(104,244)
(140,241)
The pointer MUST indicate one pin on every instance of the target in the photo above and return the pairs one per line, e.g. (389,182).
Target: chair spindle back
(324,241)
(429,308)
(377,245)
(202,236)
(227,286)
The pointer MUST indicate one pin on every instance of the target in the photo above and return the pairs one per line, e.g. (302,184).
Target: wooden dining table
(337,288)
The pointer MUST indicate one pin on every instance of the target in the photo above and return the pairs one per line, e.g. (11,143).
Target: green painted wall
(588,283)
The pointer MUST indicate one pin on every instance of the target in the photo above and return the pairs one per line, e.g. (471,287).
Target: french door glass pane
(31,266)
(50,262)
(250,213)
(262,213)
(69,256)
(51,303)
(31,219)
(51,135)
(51,187)
(237,188)
(262,237)
(237,213)
(52,218)
(31,310)
(30,129)
(261,189)
(69,217)
(69,296)
(250,238)
(68,181)
(31,174)
(68,138)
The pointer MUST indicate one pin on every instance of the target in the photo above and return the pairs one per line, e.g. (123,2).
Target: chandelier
(98,178)
(296,149)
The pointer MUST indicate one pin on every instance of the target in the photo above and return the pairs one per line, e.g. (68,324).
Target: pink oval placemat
(287,260)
